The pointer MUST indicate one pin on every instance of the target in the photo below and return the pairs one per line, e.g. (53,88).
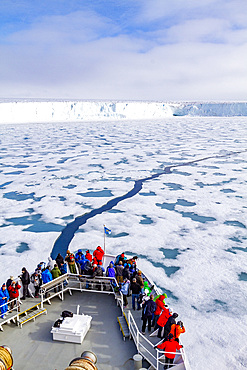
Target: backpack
(66,314)
(57,323)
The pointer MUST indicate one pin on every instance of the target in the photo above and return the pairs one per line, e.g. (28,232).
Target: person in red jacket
(98,254)
(162,320)
(169,346)
(160,306)
(14,294)
(88,256)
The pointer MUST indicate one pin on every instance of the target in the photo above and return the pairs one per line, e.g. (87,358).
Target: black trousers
(168,361)
(125,299)
(36,290)
(160,330)
(147,319)
(25,291)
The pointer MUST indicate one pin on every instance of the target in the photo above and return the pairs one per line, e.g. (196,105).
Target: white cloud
(199,55)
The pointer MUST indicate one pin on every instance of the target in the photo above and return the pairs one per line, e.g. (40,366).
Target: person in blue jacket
(63,268)
(110,271)
(125,291)
(46,275)
(4,298)
(80,260)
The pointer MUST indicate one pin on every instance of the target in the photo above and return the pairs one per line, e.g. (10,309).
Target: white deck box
(73,329)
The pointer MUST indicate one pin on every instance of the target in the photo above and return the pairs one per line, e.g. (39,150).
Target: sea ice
(187,225)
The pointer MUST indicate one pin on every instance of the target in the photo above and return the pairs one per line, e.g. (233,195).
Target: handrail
(146,348)
(74,282)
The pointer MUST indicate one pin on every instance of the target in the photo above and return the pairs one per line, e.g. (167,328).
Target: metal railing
(154,356)
(70,282)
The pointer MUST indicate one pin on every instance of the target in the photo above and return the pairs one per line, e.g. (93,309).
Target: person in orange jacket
(177,329)
(169,346)
(160,306)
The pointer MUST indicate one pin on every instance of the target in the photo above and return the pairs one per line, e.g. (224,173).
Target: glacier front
(32,111)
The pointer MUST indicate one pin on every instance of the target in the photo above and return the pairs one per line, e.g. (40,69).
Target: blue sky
(134,50)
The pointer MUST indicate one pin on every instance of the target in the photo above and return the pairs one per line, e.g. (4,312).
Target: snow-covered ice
(187,226)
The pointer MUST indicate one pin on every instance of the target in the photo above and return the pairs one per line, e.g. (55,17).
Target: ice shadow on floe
(62,243)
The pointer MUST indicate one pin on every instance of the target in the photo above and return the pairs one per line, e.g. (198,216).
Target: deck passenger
(125,291)
(177,329)
(97,270)
(63,268)
(88,269)
(169,346)
(132,260)
(136,290)
(119,271)
(36,280)
(139,280)
(25,279)
(9,281)
(110,271)
(88,256)
(147,288)
(162,320)
(46,275)
(14,294)
(59,260)
(133,271)
(126,272)
(4,298)
(98,255)
(167,328)
(120,257)
(149,308)
(55,274)
(39,271)
(70,258)
(160,306)
(51,263)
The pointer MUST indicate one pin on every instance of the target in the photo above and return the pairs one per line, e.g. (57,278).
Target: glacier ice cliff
(23,111)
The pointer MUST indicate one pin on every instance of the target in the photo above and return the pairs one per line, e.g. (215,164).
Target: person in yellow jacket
(177,329)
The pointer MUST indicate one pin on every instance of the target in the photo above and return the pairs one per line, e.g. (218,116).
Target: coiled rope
(81,364)
(6,360)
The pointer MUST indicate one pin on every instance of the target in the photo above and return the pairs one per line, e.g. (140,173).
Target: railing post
(42,303)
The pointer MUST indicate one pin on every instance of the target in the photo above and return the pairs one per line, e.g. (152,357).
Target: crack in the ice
(62,243)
